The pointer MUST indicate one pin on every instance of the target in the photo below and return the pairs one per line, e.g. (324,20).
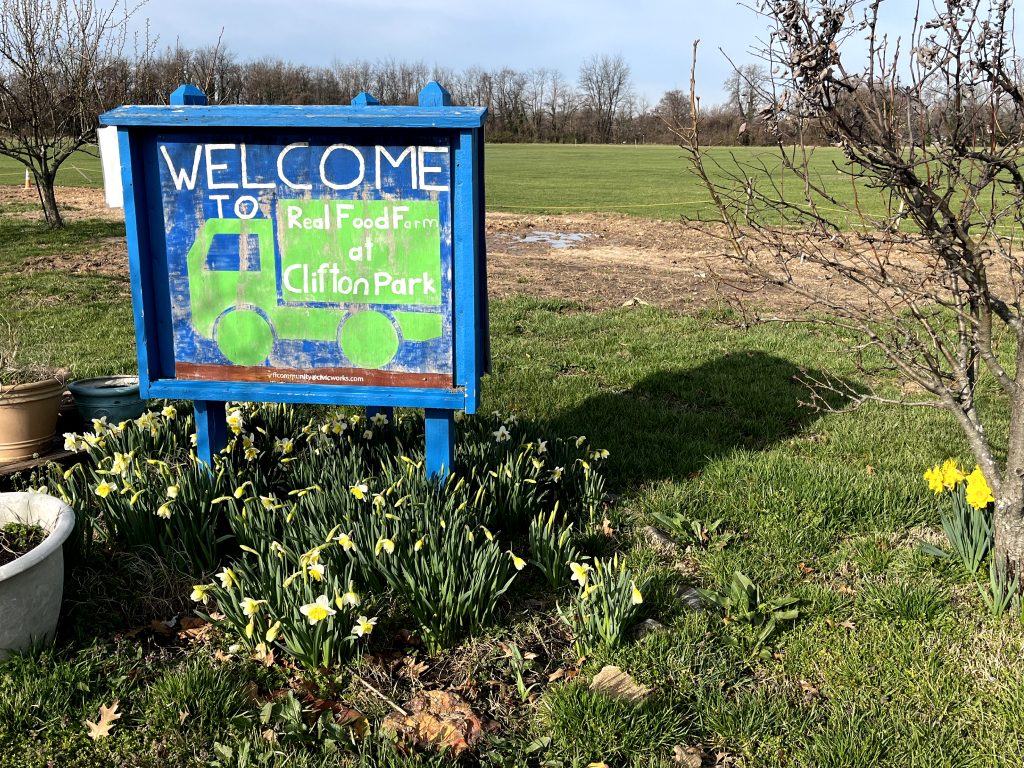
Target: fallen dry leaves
(437,719)
(614,682)
(101,729)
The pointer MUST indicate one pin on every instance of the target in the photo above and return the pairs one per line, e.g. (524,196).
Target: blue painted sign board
(308,254)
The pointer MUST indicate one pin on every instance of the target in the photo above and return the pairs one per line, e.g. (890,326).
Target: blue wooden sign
(308,254)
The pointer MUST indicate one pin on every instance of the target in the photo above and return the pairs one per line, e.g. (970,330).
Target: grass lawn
(653,181)
(892,661)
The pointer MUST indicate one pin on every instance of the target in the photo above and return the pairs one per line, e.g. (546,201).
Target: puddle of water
(554,239)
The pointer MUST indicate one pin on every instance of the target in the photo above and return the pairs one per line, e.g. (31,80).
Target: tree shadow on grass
(673,422)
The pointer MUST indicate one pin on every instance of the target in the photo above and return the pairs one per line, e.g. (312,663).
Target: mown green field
(652,181)
(893,659)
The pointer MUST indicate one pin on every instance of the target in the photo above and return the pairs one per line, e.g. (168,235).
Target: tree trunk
(45,182)
(1008,524)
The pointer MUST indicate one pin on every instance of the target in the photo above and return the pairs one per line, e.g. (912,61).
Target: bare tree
(932,130)
(746,87)
(605,85)
(60,62)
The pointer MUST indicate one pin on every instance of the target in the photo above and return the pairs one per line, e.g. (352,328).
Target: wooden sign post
(314,254)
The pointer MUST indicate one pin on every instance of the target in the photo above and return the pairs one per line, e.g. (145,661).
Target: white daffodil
(316,571)
(172,491)
(580,573)
(104,488)
(121,462)
(250,606)
(199,592)
(71,442)
(556,473)
(359,490)
(542,446)
(284,445)
(100,425)
(317,611)
(345,540)
(386,544)
(350,598)
(227,578)
(169,412)
(379,419)
(164,511)
(235,421)
(364,626)
(502,435)
(368,434)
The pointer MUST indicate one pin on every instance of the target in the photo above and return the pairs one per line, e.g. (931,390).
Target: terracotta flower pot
(28,418)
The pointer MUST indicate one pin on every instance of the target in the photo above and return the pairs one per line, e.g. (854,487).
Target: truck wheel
(244,337)
(369,339)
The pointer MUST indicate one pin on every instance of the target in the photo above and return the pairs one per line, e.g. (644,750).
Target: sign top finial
(189,95)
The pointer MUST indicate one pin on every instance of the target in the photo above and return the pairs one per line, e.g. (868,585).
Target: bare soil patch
(619,260)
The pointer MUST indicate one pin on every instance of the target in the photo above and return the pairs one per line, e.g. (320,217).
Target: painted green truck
(338,258)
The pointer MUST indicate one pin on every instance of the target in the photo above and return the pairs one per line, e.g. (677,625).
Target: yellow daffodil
(70,442)
(359,490)
(104,488)
(284,445)
(250,606)
(199,592)
(250,629)
(100,425)
(317,611)
(386,544)
(250,454)
(979,495)
(933,477)
(517,561)
(227,578)
(364,626)
(273,632)
(635,597)
(580,573)
(169,412)
(501,434)
(345,541)
(600,454)
(269,502)
(951,473)
(240,490)
(588,590)
(487,533)
(418,545)
(172,491)
(316,571)
(164,511)
(556,473)
(581,440)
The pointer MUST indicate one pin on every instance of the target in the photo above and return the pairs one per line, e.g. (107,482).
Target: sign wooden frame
(168,204)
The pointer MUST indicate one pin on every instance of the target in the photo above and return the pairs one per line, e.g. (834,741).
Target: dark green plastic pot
(116,397)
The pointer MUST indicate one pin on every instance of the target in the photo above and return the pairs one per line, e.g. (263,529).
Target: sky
(655,37)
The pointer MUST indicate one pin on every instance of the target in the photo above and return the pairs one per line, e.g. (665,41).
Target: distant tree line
(537,105)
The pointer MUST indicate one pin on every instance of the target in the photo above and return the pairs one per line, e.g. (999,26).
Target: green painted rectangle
(372,251)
